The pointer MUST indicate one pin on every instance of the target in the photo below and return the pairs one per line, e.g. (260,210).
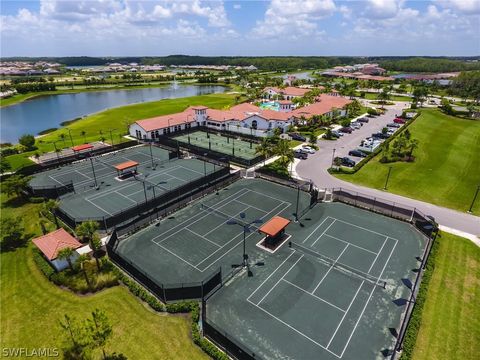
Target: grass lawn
(119,118)
(31,308)
(446,169)
(450,327)
(374,96)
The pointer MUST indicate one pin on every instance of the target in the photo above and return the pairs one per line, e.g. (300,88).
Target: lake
(35,115)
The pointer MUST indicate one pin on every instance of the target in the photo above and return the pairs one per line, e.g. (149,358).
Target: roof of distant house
(164,121)
(51,243)
(290,90)
(323,106)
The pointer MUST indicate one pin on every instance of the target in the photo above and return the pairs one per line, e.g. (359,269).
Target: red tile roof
(274,226)
(289,90)
(164,121)
(325,105)
(126,165)
(82,147)
(50,244)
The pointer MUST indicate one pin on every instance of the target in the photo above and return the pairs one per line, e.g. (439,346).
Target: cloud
(464,6)
(293,18)
(237,6)
(381,9)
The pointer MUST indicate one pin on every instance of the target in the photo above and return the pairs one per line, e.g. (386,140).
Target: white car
(308,149)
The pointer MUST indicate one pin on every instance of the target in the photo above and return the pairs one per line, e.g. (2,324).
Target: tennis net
(227,216)
(347,270)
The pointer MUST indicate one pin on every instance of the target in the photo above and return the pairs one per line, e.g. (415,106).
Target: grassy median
(446,169)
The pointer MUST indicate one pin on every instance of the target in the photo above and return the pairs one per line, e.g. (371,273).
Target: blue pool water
(270,105)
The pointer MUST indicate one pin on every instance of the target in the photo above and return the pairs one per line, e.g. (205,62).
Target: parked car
(357,153)
(336,133)
(399,121)
(380,135)
(299,154)
(345,161)
(356,125)
(298,137)
(393,125)
(347,129)
(308,149)
(363,120)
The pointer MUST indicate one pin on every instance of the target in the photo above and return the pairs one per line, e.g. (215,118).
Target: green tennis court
(101,193)
(222,144)
(334,293)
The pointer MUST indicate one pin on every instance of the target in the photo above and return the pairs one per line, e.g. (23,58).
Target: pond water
(35,115)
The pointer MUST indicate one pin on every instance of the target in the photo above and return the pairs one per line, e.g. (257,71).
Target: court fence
(423,223)
(164,292)
(161,201)
(222,339)
(51,191)
(65,160)
(216,155)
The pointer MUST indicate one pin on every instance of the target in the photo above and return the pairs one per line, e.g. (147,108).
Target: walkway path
(315,168)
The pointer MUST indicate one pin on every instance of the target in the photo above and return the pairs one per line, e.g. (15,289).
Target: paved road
(315,168)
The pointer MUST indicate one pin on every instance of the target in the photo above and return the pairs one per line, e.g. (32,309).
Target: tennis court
(332,294)
(227,145)
(101,192)
(194,242)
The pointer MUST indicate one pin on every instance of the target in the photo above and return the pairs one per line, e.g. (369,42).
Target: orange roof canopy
(82,147)
(126,165)
(51,243)
(274,226)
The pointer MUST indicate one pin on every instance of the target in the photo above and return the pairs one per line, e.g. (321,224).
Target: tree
(16,185)
(84,134)
(282,149)
(87,231)
(12,232)
(66,254)
(51,207)
(312,139)
(384,130)
(420,94)
(80,337)
(345,123)
(81,261)
(384,96)
(62,137)
(413,144)
(264,149)
(100,328)
(28,141)
(446,107)
(4,165)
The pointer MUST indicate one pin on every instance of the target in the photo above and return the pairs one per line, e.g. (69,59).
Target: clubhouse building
(243,118)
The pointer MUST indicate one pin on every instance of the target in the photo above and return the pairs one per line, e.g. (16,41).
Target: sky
(240,28)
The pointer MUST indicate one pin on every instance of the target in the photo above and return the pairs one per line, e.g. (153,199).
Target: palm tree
(83,133)
(82,260)
(51,206)
(66,254)
(264,149)
(412,146)
(283,150)
(88,232)
(62,137)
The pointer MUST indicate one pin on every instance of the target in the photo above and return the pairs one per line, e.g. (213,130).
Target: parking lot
(322,159)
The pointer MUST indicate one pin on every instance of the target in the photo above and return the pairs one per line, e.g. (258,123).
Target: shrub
(37,199)
(43,264)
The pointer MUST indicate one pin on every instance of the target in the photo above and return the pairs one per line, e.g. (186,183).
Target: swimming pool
(270,105)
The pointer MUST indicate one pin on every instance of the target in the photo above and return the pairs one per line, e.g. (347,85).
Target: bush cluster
(43,265)
(416,317)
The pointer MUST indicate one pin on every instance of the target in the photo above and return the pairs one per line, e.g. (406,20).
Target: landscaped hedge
(358,166)
(191,307)
(43,264)
(410,338)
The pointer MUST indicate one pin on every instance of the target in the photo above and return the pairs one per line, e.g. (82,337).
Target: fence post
(413,212)
(104,223)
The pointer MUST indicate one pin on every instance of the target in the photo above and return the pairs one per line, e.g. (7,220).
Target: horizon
(325,28)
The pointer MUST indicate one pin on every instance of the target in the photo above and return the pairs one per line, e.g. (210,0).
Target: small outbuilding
(51,244)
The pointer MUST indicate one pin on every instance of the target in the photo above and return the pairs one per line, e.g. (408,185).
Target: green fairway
(446,169)
(32,307)
(118,120)
(374,96)
(450,326)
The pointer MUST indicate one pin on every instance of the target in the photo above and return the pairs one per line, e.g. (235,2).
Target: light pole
(246,228)
(93,171)
(333,157)
(205,164)
(474,198)
(298,198)
(388,177)
(151,155)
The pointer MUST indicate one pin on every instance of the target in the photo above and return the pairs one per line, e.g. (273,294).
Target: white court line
(348,242)
(200,218)
(203,237)
(179,257)
(345,314)
(99,207)
(233,247)
(376,257)
(50,176)
(315,296)
(374,232)
(324,231)
(275,285)
(250,206)
(88,177)
(315,229)
(269,276)
(126,197)
(294,329)
(368,300)
(224,222)
(330,269)
(271,197)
